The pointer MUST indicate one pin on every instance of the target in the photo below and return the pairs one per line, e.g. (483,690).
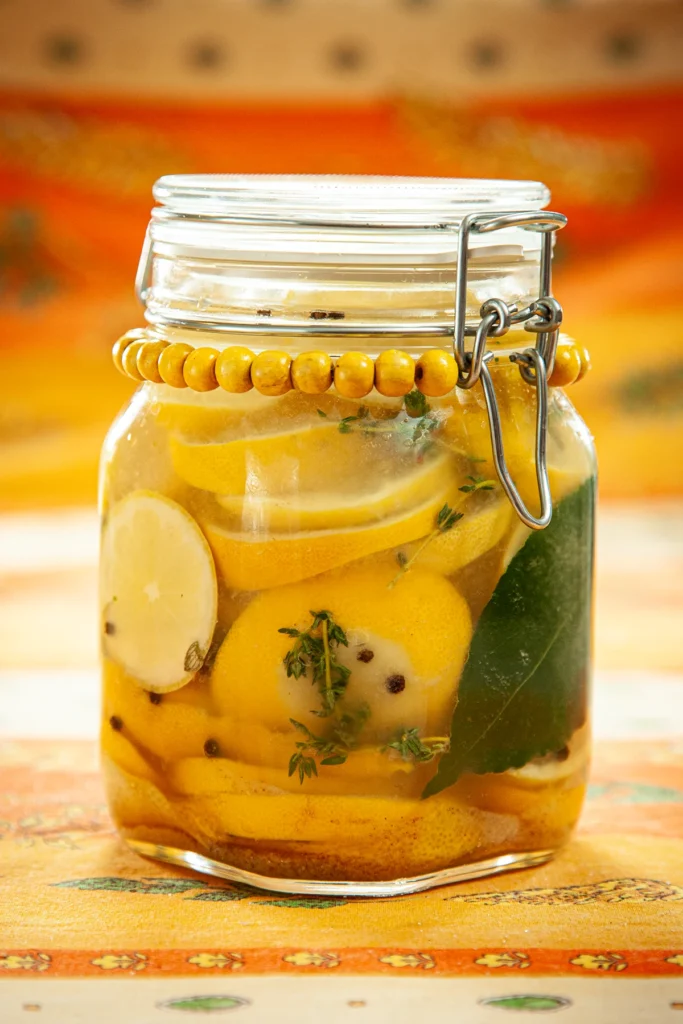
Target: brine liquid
(238,723)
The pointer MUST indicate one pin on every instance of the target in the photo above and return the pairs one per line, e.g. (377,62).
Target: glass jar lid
(337,218)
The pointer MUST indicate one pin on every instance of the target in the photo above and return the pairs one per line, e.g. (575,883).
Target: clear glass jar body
(332,655)
(344,521)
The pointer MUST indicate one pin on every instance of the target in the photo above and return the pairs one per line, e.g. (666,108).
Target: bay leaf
(523,690)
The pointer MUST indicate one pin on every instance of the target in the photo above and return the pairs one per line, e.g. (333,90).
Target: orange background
(77,164)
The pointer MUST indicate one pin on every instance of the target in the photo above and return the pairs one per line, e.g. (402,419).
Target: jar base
(309,887)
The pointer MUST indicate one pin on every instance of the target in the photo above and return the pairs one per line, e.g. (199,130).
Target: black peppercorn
(211,748)
(366,655)
(155,698)
(395,684)
(116,723)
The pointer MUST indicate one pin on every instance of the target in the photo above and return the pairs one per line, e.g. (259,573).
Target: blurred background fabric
(98,98)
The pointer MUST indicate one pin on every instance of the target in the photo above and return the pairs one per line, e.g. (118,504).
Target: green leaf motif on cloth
(535,1004)
(209,893)
(221,896)
(304,903)
(155,886)
(203,1004)
(523,689)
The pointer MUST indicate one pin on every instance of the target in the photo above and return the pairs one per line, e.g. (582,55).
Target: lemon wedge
(330,510)
(158,591)
(259,560)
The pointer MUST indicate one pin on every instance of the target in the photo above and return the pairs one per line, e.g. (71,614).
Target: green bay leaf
(523,690)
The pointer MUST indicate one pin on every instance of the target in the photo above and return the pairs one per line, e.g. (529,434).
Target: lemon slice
(518,537)
(203,415)
(158,591)
(367,772)
(329,510)
(314,457)
(557,767)
(256,561)
(417,633)
(479,530)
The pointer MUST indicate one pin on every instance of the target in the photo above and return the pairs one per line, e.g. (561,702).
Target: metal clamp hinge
(542,317)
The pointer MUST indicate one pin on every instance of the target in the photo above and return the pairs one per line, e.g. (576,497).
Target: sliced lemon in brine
(203,415)
(482,526)
(330,509)
(314,457)
(557,766)
(259,560)
(158,591)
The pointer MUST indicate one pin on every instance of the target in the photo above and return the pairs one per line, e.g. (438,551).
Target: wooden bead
(354,375)
(394,373)
(171,362)
(567,365)
(233,369)
(148,360)
(436,373)
(199,369)
(585,358)
(129,360)
(122,344)
(312,372)
(270,373)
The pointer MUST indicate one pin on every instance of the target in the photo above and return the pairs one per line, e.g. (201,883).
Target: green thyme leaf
(479,483)
(416,403)
(314,654)
(445,521)
(327,750)
(411,747)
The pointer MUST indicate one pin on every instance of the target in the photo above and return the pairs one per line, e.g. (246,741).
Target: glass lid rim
(353,200)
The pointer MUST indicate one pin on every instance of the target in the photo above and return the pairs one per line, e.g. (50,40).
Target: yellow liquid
(305,510)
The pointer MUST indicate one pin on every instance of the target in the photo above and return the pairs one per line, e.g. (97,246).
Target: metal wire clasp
(543,317)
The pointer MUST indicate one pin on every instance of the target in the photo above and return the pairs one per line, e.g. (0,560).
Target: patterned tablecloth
(77,906)
(92,934)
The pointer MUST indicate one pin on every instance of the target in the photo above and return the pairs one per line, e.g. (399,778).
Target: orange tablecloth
(76,903)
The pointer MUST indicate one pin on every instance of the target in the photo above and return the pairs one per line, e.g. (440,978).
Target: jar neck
(317,255)
(326,300)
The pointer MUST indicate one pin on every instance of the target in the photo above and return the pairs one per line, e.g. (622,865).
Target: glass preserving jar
(347,536)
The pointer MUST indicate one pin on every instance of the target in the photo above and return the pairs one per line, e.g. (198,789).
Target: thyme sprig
(477,483)
(445,520)
(313,747)
(315,650)
(332,750)
(412,747)
(346,423)
(416,431)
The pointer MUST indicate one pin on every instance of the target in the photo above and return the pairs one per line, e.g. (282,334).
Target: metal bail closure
(543,317)
(530,359)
